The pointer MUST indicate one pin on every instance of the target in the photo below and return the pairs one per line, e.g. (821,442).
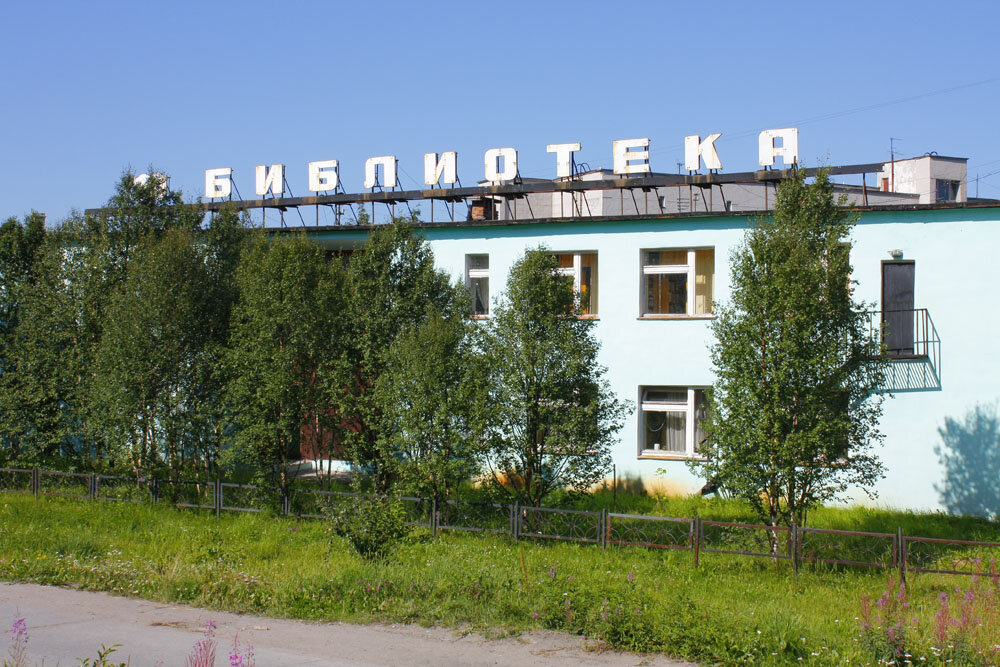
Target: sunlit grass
(728,610)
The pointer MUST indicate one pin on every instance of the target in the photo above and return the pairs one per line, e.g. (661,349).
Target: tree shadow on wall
(970,454)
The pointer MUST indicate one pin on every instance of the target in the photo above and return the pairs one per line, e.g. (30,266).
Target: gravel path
(66,624)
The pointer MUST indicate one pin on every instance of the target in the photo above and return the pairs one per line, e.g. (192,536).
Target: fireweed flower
(631,577)
(552,571)
(19,631)
(19,643)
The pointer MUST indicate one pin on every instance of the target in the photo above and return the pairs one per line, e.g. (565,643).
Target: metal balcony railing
(912,344)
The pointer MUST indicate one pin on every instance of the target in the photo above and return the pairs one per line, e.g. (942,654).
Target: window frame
(689,408)
(576,273)
(953,187)
(472,274)
(690,269)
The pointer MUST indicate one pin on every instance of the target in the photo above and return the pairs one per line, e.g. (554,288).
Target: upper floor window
(582,268)
(947,190)
(477,279)
(678,282)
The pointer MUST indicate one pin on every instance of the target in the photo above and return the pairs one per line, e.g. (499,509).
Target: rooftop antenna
(680,166)
(892,163)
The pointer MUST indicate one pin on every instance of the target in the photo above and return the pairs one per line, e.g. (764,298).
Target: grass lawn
(729,610)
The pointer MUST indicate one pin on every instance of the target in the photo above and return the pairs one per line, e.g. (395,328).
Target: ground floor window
(581,267)
(670,422)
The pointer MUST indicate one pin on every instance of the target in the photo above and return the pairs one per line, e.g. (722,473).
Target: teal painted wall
(957,272)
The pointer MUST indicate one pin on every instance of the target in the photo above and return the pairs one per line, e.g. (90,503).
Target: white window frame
(576,273)
(665,269)
(689,408)
(471,273)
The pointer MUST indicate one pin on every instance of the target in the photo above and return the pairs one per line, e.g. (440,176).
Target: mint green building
(925,260)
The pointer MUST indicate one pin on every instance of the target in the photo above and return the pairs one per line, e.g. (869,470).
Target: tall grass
(728,610)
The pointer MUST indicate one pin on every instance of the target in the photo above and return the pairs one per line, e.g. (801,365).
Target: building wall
(669,200)
(920,175)
(956,275)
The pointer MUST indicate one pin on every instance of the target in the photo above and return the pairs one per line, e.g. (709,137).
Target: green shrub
(373,525)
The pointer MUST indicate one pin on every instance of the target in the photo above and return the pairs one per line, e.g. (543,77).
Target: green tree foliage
(433,395)
(138,210)
(50,368)
(553,416)
(393,286)
(121,325)
(795,405)
(285,348)
(151,355)
(20,245)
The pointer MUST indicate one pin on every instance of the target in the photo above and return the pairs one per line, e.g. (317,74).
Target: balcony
(913,346)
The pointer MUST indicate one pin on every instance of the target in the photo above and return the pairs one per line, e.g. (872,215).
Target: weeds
(18,644)
(203,652)
(240,656)
(729,610)
(372,525)
(961,628)
(102,658)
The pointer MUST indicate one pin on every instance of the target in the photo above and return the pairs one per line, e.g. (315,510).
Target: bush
(964,629)
(373,525)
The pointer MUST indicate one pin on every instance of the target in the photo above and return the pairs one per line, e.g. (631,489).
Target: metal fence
(889,551)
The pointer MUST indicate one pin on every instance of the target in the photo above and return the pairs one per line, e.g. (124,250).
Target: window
(670,423)
(477,279)
(582,268)
(947,190)
(677,282)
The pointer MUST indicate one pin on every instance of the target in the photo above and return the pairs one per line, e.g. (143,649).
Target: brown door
(897,307)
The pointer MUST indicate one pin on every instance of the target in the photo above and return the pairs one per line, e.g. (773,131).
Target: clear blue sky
(92,88)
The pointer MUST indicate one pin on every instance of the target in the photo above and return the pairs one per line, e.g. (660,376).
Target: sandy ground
(66,624)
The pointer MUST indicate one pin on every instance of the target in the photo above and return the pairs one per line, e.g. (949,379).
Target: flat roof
(945,206)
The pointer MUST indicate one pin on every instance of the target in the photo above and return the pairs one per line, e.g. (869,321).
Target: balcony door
(897,307)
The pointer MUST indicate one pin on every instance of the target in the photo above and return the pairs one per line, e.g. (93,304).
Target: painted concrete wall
(687,199)
(920,175)
(957,274)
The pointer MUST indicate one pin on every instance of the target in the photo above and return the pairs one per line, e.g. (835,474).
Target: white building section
(932,178)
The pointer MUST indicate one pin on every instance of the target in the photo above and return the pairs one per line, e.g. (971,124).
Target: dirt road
(65,624)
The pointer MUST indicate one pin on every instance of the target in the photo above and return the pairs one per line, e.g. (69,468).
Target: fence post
(156,490)
(434,517)
(35,481)
(901,543)
(218,497)
(795,548)
(517,521)
(93,486)
(602,525)
(697,538)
